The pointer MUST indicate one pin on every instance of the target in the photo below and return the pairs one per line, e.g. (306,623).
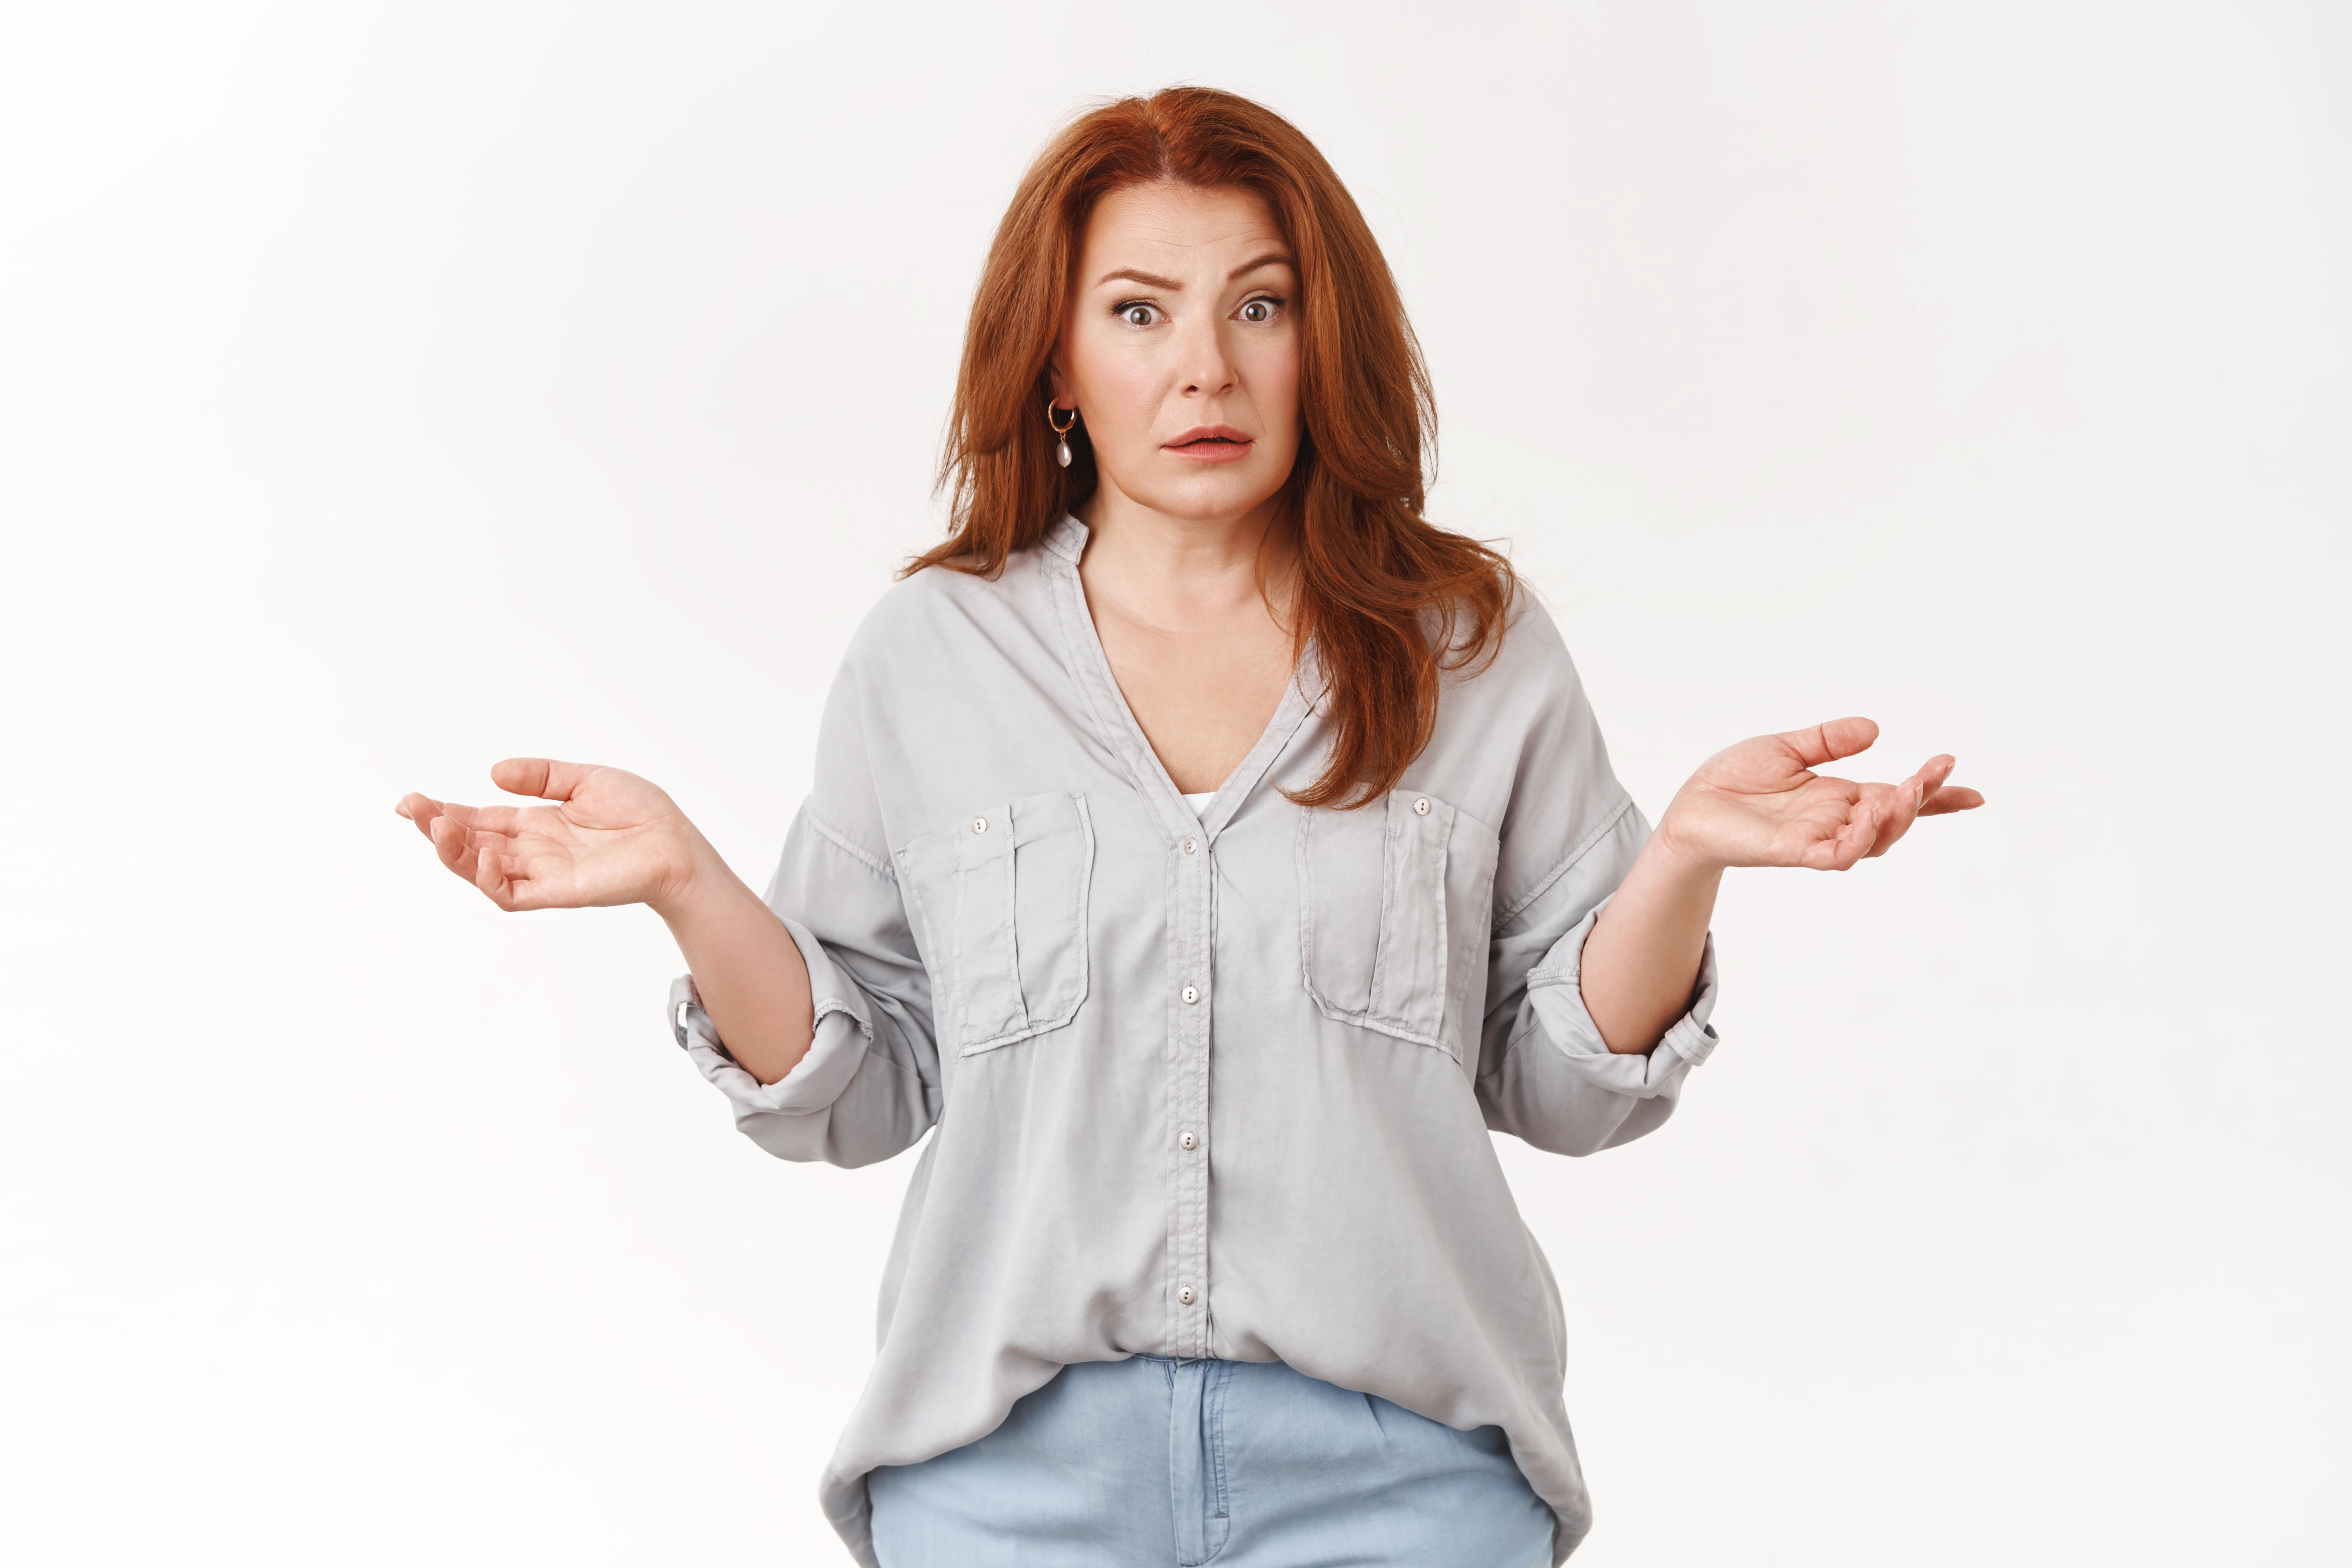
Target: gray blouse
(1212,1085)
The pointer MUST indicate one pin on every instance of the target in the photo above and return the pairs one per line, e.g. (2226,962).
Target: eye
(1259,311)
(1137,313)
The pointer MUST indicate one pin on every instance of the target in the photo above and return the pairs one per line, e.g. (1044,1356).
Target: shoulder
(917,603)
(940,614)
(1520,738)
(1526,671)
(1529,630)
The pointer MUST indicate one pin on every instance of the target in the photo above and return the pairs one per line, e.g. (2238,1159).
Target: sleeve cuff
(843,1031)
(1555,994)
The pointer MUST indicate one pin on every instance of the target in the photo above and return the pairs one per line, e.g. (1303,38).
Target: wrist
(697,879)
(1679,853)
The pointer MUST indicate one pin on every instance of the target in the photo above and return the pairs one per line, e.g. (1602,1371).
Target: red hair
(1389,599)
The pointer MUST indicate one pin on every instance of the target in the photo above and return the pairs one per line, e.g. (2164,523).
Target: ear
(1061,383)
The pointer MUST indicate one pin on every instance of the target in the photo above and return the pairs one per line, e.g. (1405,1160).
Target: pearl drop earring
(1063,430)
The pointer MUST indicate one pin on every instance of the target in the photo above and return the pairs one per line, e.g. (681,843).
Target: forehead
(1168,222)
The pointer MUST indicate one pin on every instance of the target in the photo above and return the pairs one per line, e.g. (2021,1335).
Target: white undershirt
(1200,803)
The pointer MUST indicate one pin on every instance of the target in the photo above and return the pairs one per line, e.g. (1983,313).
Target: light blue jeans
(1151,1462)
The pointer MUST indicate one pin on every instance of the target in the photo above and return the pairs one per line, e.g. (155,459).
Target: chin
(1206,498)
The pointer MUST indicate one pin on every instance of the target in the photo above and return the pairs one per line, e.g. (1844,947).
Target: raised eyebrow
(1134,274)
(1153,279)
(1271,259)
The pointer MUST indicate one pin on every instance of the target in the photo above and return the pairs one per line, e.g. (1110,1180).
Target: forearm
(753,980)
(1642,958)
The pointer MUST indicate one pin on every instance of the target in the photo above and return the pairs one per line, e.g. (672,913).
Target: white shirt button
(1191,994)
(1190,844)
(1422,805)
(1185,1296)
(1188,1141)
(979,825)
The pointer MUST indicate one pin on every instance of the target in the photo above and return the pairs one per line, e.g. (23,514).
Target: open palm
(610,837)
(1760,803)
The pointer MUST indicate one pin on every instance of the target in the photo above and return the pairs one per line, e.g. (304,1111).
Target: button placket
(1190,962)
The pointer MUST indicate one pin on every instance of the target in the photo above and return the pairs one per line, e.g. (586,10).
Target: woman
(1208,851)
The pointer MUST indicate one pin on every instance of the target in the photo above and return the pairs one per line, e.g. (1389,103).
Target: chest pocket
(1003,894)
(1393,916)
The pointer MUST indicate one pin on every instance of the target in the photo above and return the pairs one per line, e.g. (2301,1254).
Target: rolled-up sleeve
(869,1085)
(1544,1074)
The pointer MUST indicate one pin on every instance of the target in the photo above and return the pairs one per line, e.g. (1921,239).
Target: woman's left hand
(1760,803)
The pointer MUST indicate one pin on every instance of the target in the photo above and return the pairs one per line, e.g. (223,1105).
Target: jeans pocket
(1003,895)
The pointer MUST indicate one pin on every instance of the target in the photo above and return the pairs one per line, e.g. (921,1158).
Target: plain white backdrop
(388,389)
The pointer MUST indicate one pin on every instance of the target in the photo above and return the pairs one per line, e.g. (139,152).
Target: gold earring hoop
(1063,453)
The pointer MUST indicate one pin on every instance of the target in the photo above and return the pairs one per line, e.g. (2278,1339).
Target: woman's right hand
(610,837)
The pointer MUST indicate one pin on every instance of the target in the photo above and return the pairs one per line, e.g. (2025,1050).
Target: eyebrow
(1134,274)
(1153,279)
(1271,259)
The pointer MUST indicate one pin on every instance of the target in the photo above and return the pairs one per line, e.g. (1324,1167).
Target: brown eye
(1137,315)
(1259,311)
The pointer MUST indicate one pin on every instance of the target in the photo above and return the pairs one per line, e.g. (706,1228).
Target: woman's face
(1180,351)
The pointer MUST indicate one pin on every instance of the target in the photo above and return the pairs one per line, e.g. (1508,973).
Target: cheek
(1119,393)
(1274,377)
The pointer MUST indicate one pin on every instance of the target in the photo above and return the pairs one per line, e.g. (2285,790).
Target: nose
(1207,368)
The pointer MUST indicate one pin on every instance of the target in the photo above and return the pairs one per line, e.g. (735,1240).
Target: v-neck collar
(1066,541)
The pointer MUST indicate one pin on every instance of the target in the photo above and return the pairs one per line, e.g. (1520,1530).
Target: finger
(1826,854)
(1841,848)
(420,809)
(1840,851)
(1828,742)
(1951,797)
(1909,799)
(543,776)
(519,889)
(1879,820)
(1897,811)
(525,891)
(503,820)
(424,810)
(450,842)
(489,875)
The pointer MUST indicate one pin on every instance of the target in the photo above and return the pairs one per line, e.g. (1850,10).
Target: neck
(1179,572)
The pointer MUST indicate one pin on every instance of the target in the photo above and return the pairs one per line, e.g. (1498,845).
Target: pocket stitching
(1368,1018)
(1030,1028)
(1382,949)
(1011,916)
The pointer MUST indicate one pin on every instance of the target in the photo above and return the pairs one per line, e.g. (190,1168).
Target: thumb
(1827,743)
(543,776)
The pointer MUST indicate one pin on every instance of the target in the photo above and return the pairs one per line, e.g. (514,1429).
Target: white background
(388,389)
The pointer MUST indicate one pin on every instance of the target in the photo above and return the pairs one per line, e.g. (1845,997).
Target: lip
(1210,444)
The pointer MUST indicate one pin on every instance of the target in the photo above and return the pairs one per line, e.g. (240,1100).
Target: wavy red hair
(1386,599)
